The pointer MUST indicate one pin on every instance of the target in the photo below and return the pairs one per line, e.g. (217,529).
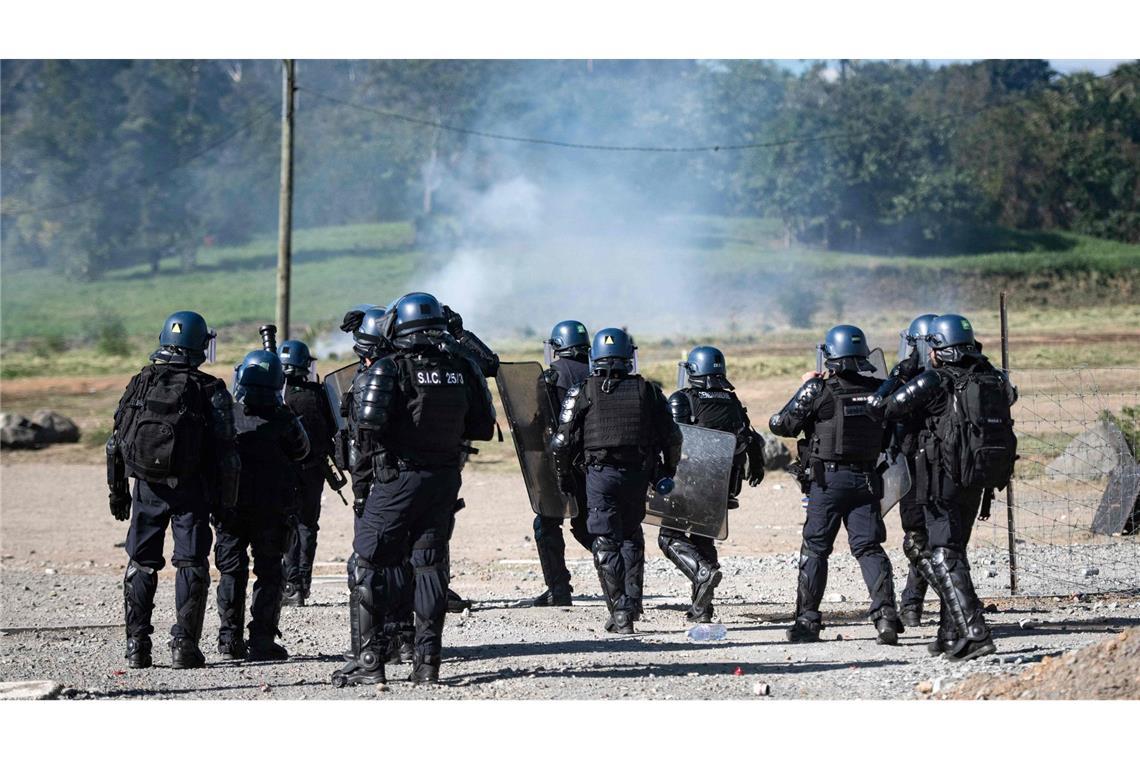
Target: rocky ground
(60,602)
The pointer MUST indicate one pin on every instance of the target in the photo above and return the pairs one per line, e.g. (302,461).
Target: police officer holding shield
(413,408)
(966,448)
(619,427)
(568,357)
(706,398)
(842,441)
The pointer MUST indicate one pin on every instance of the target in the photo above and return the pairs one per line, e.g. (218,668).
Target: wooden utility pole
(285,208)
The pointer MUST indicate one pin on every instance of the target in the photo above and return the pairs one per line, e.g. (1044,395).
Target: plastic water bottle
(664,486)
(708,632)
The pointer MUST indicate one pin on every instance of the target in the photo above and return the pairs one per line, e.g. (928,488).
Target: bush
(1129,423)
(110,335)
(799,306)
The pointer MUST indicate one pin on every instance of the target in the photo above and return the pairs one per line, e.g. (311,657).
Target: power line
(152,177)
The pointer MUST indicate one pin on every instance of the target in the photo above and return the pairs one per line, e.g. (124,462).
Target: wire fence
(1074,491)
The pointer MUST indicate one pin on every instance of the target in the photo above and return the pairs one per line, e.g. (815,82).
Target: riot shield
(879,362)
(531,415)
(698,502)
(896,480)
(336,385)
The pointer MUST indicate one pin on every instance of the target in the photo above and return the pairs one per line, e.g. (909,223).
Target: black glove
(566,484)
(755,476)
(352,321)
(909,368)
(454,321)
(358,505)
(120,505)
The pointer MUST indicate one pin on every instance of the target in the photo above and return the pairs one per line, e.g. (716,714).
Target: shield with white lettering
(529,406)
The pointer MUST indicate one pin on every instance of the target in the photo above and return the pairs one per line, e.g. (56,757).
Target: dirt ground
(61,564)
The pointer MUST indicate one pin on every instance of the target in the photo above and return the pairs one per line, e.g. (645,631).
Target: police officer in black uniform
(412,410)
(568,354)
(950,506)
(842,441)
(707,399)
(619,425)
(271,441)
(174,433)
(308,400)
(912,350)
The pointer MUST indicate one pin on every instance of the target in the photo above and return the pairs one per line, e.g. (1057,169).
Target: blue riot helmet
(704,365)
(296,360)
(259,380)
(415,312)
(369,341)
(844,348)
(185,332)
(952,337)
(567,338)
(916,333)
(613,351)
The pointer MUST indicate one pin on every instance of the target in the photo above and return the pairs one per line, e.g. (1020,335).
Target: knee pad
(915,545)
(808,553)
(604,546)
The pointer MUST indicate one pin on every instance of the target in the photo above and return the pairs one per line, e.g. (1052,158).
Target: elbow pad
(680,407)
(879,398)
(570,404)
(789,421)
(480,353)
(560,450)
(373,394)
(116,467)
(913,396)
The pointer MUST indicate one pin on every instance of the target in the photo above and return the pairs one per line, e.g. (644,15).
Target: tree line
(107,164)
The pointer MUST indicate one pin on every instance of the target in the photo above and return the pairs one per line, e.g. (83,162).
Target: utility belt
(852,466)
(387,466)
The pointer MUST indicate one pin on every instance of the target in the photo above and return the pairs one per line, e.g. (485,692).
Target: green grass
(40,311)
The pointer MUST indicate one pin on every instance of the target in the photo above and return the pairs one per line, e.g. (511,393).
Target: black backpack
(978,445)
(162,424)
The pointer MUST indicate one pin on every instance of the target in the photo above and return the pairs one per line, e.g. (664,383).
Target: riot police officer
(912,360)
(307,399)
(271,440)
(706,398)
(173,433)
(966,448)
(412,410)
(842,441)
(568,354)
(619,424)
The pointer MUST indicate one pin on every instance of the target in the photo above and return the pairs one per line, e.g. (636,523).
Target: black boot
(803,630)
(293,595)
(231,614)
(705,576)
(401,645)
(947,634)
(425,669)
(962,605)
(265,615)
(911,615)
(611,574)
(192,586)
(139,586)
(887,625)
(365,664)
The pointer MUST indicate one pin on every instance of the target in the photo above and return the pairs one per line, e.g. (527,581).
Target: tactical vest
(429,429)
(268,476)
(617,420)
(310,402)
(851,434)
(718,409)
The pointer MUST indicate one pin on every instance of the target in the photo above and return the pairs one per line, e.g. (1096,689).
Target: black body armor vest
(616,427)
(310,402)
(851,434)
(429,429)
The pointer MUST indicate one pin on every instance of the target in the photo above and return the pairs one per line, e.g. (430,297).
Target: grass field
(1064,284)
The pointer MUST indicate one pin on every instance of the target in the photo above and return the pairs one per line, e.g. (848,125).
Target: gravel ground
(61,607)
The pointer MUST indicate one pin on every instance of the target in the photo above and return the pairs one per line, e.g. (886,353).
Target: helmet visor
(633,362)
(547,352)
(212,348)
(682,374)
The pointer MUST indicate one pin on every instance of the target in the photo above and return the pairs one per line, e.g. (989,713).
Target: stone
(776,454)
(56,428)
(45,427)
(924,687)
(1092,455)
(761,689)
(834,597)
(30,689)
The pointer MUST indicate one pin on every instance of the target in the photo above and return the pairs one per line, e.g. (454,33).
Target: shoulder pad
(383,367)
(680,406)
(570,403)
(809,390)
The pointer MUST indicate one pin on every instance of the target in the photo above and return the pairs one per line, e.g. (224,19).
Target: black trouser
(849,498)
(912,514)
(265,535)
(551,545)
(409,518)
(615,503)
(184,509)
(302,546)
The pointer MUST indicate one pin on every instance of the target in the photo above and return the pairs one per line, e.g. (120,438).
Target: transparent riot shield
(337,383)
(530,412)
(698,502)
(897,480)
